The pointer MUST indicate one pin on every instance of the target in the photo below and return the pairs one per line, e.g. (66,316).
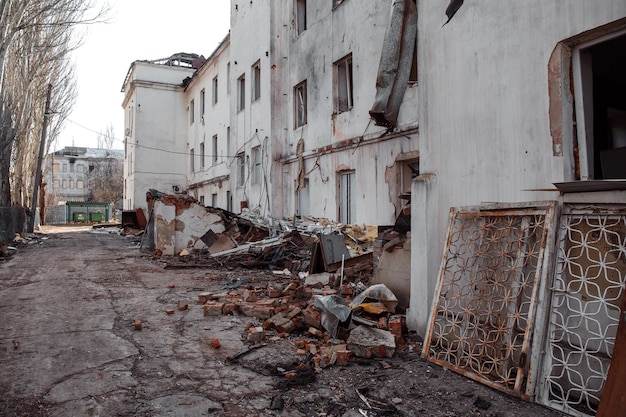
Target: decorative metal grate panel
(483,312)
(587,289)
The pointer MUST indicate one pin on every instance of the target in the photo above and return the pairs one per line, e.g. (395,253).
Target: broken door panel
(585,307)
(483,314)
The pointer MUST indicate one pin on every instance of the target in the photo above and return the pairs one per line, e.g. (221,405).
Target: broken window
(256,81)
(215,90)
(229,201)
(256,161)
(71,184)
(57,184)
(241,169)
(202,102)
(192,160)
(600,100)
(80,184)
(214,149)
(299,104)
(343,84)
(64,184)
(241,93)
(409,169)
(201,199)
(202,155)
(300,16)
(304,200)
(347,203)
(192,111)
(64,167)
(214,200)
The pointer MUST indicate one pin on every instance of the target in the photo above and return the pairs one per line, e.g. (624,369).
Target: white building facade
(155,129)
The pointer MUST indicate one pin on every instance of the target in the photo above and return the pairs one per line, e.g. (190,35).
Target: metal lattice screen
(586,295)
(483,312)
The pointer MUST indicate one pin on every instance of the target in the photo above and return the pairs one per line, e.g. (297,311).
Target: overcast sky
(137,29)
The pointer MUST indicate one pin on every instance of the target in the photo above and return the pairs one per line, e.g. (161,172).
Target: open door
(613,401)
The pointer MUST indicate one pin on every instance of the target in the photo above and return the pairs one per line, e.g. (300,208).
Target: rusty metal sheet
(484,307)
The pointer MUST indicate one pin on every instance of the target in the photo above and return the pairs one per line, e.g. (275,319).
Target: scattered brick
(312,317)
(255,334)
(137,324)
(213,308)
(182,305)
(169,311)
(215,343)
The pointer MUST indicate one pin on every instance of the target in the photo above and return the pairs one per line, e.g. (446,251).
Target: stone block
(367,342)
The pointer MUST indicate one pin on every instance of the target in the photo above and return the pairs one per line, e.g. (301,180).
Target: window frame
(300,104)
(300,16)
(344,84)
(255,88)
(192,111)
(215,148)
(256,165)
(241,169)
(202,102)
(215,85)
(192,160)
(202,154)
(241,92)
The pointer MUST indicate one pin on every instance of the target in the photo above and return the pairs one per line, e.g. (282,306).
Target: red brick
(213,308)
(229,308)
(256,334)
(204,297)
(294,312)
(312,317)
(274,293)
(249,296)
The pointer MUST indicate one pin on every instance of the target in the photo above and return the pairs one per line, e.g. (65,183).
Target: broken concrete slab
(367,342)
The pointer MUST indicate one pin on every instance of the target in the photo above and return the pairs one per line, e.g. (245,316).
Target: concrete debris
(368,342)
(324,324)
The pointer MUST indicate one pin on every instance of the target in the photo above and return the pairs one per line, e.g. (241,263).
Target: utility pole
(42,147)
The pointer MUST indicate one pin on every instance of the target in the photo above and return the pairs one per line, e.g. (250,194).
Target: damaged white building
(505,129)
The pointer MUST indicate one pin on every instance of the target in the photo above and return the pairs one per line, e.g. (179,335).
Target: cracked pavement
(68,347)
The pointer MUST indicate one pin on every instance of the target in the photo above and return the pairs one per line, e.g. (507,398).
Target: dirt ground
(69,347)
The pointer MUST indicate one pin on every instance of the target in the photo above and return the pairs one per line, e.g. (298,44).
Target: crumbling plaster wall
(251,126)
(483,111)
(179,224)
(346,140)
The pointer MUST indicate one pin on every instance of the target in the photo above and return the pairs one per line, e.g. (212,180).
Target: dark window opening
(603,95)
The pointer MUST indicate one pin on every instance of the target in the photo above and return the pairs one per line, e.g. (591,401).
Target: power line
(150,147)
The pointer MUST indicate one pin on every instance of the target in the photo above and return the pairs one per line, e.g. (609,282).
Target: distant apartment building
(69,172)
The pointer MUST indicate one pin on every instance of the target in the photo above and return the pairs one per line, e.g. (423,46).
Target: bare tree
(106,139)
(106,180)
(36,39)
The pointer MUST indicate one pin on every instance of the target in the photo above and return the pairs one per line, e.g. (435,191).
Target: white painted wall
(214,176)
(332,33)
(483,111)
(251,126)
(155,141)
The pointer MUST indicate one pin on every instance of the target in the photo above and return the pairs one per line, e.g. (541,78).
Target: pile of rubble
(324,316)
